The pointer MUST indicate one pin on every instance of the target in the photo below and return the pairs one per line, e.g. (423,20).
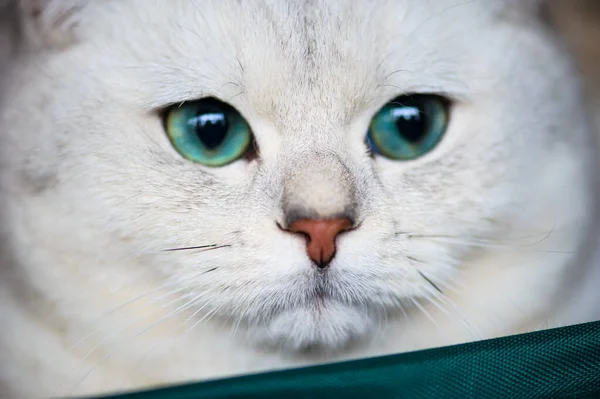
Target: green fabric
(557,363)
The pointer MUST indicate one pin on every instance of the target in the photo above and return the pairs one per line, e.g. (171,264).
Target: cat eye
(208,131)
(409,126)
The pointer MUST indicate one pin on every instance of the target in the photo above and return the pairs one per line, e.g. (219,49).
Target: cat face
(106,189)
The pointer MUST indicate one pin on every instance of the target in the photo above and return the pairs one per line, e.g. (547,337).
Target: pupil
(410,121)
(211,128)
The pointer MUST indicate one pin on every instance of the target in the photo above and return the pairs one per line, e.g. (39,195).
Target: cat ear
(51,22)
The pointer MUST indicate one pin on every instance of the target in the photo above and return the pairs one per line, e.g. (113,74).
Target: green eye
(208,132)
(408,126)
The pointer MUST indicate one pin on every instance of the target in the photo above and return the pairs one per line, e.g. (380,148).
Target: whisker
(438,299)
(240,319)
(178,328)
(145,330)
(425,312)
(545,236)
(129,302)
(207,317)
(430,282)
(551,251)
(405,314)
(383,329)
(455,287)
(459,240)
(192,316)
(486,243)
(439,261)
(466,324)
(203,247)
(120,329)
(105,339)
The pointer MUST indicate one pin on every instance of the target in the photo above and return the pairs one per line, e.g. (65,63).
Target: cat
(197,189)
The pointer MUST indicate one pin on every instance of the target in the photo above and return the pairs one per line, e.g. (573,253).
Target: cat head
(303,170)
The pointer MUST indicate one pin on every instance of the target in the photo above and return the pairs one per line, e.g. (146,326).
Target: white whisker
(145,330)
(425,312)
(489,244)
(178,328)
(207,317)
(240,319)
(455,312)
(114,334)
(124,305)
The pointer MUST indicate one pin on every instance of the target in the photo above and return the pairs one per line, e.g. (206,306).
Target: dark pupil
(211,127)
(410,121)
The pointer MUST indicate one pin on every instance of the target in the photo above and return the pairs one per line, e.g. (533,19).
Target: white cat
(357,178)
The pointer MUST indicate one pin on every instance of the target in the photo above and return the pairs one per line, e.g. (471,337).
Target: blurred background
(579,22)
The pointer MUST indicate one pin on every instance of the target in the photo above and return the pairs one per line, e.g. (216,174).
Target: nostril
(320,228)
(297,232)
(320,236)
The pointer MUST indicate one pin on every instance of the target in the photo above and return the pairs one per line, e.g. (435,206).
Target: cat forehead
(284,52)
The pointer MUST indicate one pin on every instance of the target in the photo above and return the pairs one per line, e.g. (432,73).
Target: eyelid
(163,112)
(451,100)
(163,109)
(451,89)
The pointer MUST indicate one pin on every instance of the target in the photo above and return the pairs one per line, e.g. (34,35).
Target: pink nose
(321,235)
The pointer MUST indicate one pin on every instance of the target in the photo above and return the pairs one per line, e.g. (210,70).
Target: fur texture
(489,234)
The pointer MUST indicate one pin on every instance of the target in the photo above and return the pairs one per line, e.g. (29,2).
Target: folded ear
(50,22)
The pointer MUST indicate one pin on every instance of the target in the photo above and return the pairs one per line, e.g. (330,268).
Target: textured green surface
(557,363)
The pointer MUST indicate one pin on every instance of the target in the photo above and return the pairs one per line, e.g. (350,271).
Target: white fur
(92,192)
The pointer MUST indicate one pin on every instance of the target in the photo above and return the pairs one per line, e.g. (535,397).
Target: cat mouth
(320,295)
(322,326)
(323,293)
(326,288)
(325,320)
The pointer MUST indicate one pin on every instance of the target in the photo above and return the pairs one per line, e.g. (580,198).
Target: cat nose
(320,237)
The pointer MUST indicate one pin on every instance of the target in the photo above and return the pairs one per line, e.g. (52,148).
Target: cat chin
(327,327)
